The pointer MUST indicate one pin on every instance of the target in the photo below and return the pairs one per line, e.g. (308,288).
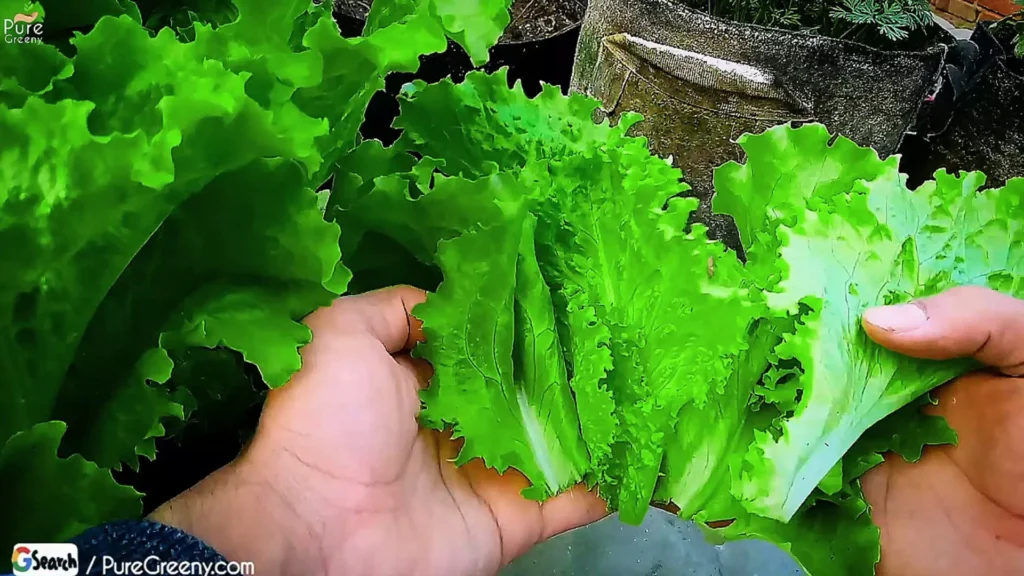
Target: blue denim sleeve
(135,541)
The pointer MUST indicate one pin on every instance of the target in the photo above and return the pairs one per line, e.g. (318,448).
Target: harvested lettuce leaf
(511,413)
(707,446)
(630,287)
(850,237)
(428,213)
(785,171)
(650,286)
(832,532)
(540,372)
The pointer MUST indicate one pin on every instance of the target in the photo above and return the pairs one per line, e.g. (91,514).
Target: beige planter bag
(701,82)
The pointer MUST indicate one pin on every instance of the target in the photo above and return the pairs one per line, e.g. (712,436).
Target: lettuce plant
(159,194)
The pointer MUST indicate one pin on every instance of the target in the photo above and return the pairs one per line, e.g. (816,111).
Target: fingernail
(899,318)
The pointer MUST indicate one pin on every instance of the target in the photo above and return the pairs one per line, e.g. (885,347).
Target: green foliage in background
(875,22)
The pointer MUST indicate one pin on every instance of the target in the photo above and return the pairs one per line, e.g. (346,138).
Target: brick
(988,15)
(963,10)
(941,5)
(1001,7)
(956,20)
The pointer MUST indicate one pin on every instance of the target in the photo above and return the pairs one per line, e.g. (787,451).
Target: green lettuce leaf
(646,283)
(826,251)
(226,269)
(28,68)
(427,213)
(500,128)
(420,208)
(787,170)
(65,495)
(260,324)
(492,307)
(67,202)
(587,350)
(706,450)
(541,374)
(832,532)
(476,26)
(631,289)
(829,536)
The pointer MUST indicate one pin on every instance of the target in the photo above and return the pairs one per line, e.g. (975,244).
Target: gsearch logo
(23,29)
(45,559)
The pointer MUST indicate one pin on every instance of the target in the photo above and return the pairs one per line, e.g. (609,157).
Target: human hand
(960,509)
(339,479)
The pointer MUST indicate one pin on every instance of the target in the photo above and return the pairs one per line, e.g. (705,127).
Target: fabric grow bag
(983,128)
(701,82)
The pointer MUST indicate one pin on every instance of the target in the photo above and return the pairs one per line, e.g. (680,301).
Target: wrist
(241,514)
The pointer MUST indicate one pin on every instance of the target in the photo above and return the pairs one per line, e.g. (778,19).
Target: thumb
(969,321)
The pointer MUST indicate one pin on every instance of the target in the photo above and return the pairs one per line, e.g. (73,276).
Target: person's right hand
(960,509)
(341,480)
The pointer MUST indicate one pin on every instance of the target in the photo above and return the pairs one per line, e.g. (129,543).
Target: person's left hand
(340,479)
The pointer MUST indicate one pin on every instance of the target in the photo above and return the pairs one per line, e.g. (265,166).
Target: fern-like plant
(877,22)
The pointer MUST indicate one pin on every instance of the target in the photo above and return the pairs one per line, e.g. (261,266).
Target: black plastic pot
(531,21)
(977,120)
(701,82)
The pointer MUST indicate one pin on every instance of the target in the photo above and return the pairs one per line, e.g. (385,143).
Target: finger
(519,521)
(963,322)
(418,367)
(385,314)
(573,509)
(524,523)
